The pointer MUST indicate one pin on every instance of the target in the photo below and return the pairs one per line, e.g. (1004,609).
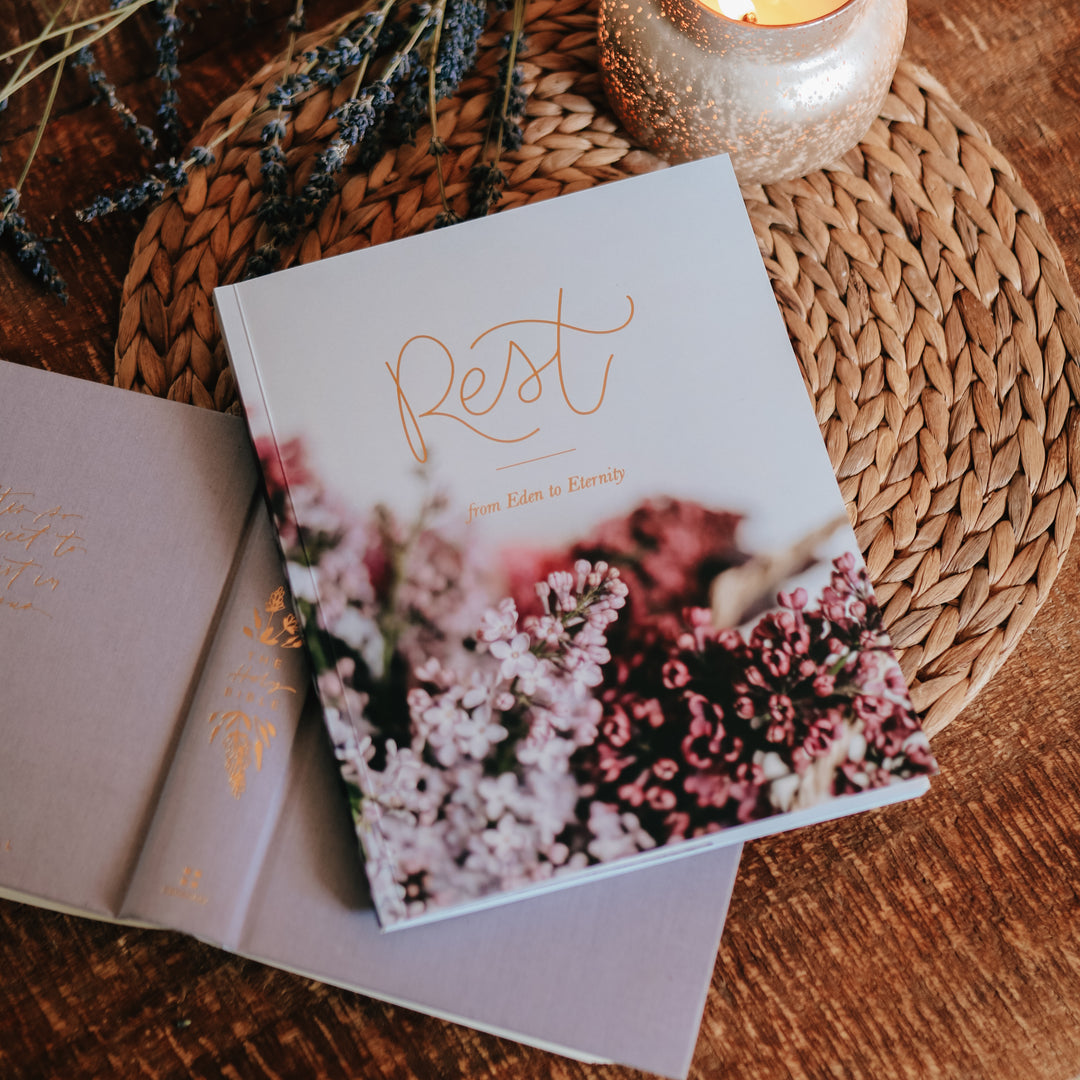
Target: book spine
(221,799)
(375,849)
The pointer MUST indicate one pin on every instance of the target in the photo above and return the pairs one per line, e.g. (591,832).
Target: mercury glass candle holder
(687,82)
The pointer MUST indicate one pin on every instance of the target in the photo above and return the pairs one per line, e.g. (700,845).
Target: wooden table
(940,940)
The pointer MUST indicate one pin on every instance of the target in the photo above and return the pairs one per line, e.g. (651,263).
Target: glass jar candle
(687,81)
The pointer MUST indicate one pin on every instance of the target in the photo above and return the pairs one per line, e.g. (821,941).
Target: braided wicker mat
(929,309)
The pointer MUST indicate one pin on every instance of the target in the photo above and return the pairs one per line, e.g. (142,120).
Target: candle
(783,86)
(774,12)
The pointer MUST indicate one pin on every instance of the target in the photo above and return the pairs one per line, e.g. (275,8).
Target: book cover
(158,767)
(120,528)
(570,559)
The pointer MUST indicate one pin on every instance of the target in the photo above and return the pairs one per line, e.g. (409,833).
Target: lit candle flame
(737,9)
(773,12)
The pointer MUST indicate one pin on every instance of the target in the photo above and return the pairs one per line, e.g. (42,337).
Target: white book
(568,552)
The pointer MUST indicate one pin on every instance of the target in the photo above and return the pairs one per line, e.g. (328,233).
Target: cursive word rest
(472,399)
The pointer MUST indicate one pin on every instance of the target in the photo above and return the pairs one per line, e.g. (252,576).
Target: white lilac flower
(514,655)
(499,622)
(615,835)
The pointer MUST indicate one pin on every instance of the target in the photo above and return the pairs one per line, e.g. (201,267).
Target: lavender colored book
(567,550)
(158,767)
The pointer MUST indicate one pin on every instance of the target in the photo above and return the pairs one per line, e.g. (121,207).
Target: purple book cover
(573,569)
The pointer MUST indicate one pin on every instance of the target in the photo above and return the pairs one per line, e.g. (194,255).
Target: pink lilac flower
(667,552)
(808,705)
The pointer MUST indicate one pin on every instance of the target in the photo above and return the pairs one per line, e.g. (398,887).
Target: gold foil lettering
(247,733)
(30,539)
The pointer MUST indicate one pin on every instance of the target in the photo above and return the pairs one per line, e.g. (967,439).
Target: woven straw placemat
(929,309)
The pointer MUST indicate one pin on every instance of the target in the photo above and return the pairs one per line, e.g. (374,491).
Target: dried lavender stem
(21,67)
(49,33)
(47,111)
(391,69)
(61,57)
(511,60)
(440,12)
(265,107)
(336,28)
(361,69)
(298,15)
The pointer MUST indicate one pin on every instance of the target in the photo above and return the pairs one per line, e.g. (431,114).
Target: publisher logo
(188,887)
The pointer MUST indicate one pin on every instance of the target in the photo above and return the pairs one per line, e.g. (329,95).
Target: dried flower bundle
(399,58)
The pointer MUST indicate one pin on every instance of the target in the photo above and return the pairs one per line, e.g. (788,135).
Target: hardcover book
(569,556)
(158,767)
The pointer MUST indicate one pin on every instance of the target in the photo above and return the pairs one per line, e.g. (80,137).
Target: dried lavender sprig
(513,104)
(284,216)
(360,125)
(405,117)
(487,177)
(168,72)
(462,26)
(350,52)
(436,146)
(27,247)
(152,187)
(357,119)
(275,209)
(508,122)
(171,175)
(486,182)
(104,93)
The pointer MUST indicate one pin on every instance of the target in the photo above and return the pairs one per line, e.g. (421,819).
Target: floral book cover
(569,557)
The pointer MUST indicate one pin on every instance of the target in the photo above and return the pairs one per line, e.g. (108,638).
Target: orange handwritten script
(500,355)
(253,692)
(34,537)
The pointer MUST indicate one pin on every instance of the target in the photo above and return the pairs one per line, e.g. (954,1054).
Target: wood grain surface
(939,939)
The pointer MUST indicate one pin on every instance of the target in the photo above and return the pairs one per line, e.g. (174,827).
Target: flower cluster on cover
(573,707)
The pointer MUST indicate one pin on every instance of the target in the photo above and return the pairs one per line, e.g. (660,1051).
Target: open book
(570,558)
(157,765)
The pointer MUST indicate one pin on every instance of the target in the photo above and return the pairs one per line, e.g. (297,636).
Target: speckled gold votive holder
(782,100)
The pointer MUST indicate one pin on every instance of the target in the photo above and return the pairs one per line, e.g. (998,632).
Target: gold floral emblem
(244,737)
(245,734)
(284,637)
